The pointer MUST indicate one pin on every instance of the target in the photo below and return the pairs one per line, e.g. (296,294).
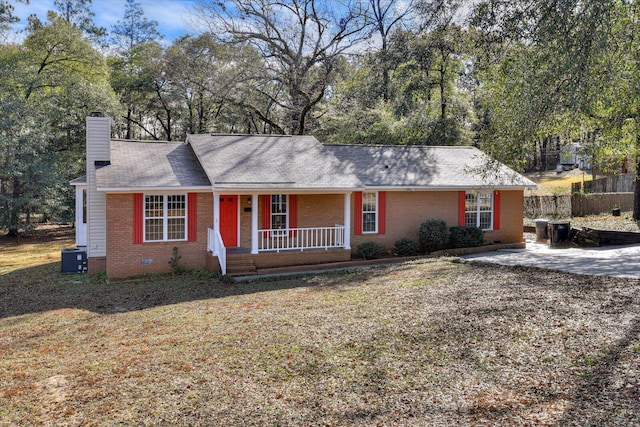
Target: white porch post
(347,221)
(254,223)
(81,220)
(216,212)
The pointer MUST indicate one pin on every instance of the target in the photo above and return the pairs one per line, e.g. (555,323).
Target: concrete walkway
(614,261)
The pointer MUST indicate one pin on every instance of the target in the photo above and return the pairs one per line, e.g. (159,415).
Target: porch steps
(239,265)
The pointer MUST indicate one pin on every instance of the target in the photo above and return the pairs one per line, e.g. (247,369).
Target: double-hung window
(279,214)
(369,212)
(165,217)
(479,210)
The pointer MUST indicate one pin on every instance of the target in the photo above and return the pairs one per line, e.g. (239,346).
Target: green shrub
(433,235)
(369,250)
(174,262)
(465,237)
(406,247)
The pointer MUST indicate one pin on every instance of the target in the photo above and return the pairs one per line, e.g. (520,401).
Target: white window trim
(376,212)
(165,217)
(478,211)
(279,232)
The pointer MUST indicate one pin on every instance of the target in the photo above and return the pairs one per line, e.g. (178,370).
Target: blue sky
(173,16)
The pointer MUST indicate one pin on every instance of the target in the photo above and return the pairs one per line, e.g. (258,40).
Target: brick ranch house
(235,203)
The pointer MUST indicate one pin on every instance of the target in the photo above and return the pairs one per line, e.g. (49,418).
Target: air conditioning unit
(74,260)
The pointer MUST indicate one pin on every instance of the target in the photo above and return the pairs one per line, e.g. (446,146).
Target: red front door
(229,220)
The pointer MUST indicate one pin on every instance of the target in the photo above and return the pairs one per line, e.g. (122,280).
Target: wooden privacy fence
(599,203)
(556,206)
(622,183)
(566,206)
(599,196)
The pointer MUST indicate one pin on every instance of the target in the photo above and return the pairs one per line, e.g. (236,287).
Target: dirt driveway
(613,261)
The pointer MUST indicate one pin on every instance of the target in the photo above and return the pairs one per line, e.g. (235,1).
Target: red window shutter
(265,201)
(138,218)
(192,220)
(358,213)
(382,212)
(293,213)
(496,210)
(462,202)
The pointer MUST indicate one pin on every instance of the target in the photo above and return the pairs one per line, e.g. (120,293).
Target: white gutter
(286,190)
(200,189)
(446,188)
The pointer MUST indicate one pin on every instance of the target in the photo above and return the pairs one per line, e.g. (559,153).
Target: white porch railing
(216,246)
(301,238)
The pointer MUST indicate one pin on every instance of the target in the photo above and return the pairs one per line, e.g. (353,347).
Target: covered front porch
(281,229)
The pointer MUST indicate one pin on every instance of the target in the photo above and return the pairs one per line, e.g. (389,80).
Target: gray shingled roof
(266,162)
(257,162)
(138,164)
(425,166)
(79,180)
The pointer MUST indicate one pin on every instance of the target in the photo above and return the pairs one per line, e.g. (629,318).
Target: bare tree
(299,42)
(387,14)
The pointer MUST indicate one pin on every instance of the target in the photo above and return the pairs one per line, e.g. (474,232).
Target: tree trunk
(385,69)
(636,190)
(443,102)
(200,113)
(14,215)
(128,135)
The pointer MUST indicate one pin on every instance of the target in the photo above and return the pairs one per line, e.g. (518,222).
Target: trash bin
(74,260)
(541,229)
(559,232)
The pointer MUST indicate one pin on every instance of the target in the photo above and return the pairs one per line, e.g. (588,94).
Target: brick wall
(406,210)
(511,213)
(320,210)
(124,259)
(96,265)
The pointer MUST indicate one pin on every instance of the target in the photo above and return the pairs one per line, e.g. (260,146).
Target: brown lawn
(550,182)
(428,343)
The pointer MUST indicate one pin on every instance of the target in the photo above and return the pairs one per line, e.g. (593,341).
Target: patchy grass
(422,343)
(623,222)
(34,249)
(550,182)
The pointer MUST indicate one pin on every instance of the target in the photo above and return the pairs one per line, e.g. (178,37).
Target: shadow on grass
(44,288)
(599,386)
(599,395)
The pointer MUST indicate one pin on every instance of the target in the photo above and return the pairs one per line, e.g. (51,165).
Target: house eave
(180,189)
(445,187)
(308,190)
(265,189)
(79,181)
